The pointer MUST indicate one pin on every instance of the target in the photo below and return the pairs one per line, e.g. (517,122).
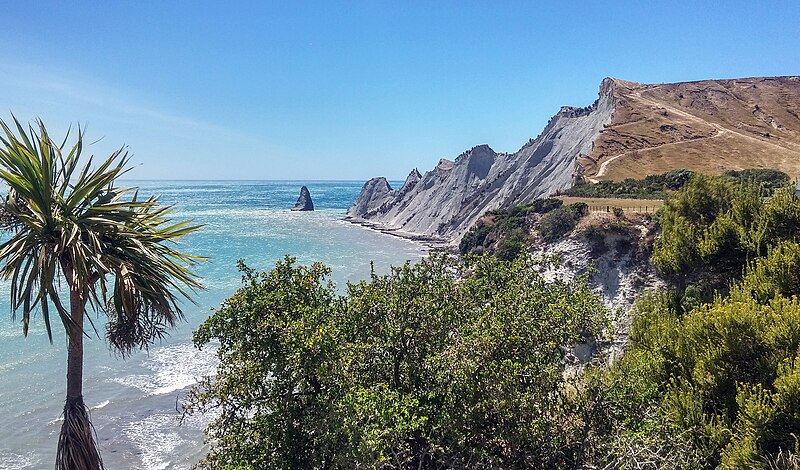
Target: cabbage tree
(113,253)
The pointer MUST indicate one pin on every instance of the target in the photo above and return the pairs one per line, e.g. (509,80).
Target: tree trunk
(77,449)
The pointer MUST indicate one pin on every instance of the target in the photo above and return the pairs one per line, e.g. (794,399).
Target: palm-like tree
(114,252)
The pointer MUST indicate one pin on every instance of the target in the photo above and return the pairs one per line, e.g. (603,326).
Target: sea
(135,402)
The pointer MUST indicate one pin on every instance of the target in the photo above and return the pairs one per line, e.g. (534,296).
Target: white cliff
(446,201)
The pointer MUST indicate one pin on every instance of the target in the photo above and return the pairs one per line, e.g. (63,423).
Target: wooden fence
(635,210)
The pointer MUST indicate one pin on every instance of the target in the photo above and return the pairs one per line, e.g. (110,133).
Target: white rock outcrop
(446,201)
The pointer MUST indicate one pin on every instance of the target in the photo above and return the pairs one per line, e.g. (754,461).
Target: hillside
(632,130)
(709,126)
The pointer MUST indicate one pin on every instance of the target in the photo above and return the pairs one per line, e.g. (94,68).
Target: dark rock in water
(304,202)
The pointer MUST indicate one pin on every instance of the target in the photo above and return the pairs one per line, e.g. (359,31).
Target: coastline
(430,243)
(133,400)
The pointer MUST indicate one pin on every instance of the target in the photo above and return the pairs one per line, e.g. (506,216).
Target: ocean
(135,402)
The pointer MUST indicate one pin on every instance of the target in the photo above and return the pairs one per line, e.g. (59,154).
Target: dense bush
(474,238)
(710,380)
(725,377)
(508,226)
(766,178)
(414,369)
(659,186)
(559,222)
(650,187)
(712,227)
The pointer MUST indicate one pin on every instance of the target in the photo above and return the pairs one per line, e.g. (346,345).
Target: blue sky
(350,90)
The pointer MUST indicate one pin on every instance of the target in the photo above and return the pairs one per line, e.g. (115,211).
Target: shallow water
(134,402)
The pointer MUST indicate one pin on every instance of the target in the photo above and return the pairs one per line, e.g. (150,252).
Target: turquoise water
(134,401)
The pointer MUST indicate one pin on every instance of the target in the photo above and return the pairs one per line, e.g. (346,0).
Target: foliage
(65,217)
(723,376)
(766,178)
(711,228)
(710,377)
(414,369)
(561,221)
(69,224)
(508,226)
(660,186)
(475,238)
(650,187)
(511,245)
(727,373)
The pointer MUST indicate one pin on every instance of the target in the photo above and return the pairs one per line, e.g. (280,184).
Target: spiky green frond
(69,221)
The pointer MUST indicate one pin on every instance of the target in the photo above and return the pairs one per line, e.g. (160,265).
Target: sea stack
(304,202)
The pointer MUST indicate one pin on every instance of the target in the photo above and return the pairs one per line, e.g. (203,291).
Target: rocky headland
(631,130)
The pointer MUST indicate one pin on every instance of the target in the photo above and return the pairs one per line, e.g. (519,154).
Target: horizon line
(256,180)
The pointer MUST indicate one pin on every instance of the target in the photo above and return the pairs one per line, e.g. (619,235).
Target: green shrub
(509,227)
(766,178)
(475,237)
(725,375)
(511,246)
(711,228)
(777,273)
(419,368)
(561,221)
(543,206)
(650,187)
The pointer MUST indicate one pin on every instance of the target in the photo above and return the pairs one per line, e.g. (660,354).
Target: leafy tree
(112,250)
(420,368)
(278,382)
(712,228)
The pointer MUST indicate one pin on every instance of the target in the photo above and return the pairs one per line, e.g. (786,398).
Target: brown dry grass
(628,205)
(709,126)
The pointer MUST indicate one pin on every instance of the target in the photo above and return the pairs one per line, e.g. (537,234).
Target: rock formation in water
(304,202)
(631,130)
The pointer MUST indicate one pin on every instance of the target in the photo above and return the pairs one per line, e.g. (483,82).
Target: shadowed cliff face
(632,130)
(444,202)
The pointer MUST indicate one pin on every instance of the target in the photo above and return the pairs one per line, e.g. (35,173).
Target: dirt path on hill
(721,131)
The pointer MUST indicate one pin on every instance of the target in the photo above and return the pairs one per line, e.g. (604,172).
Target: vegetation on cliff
(426,367)
(660,186)
(463,365)
(713,228)
(506,232)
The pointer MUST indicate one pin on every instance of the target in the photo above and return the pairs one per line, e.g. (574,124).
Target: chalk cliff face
(444,202)
(632,130)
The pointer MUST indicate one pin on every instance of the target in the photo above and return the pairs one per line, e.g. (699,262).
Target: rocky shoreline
(429,242)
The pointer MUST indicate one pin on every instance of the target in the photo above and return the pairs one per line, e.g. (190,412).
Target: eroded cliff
(444,202)
(631,131)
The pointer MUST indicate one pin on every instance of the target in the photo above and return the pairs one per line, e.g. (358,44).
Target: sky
(350,90)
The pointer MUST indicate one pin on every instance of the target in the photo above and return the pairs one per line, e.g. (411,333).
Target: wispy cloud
(68,86)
